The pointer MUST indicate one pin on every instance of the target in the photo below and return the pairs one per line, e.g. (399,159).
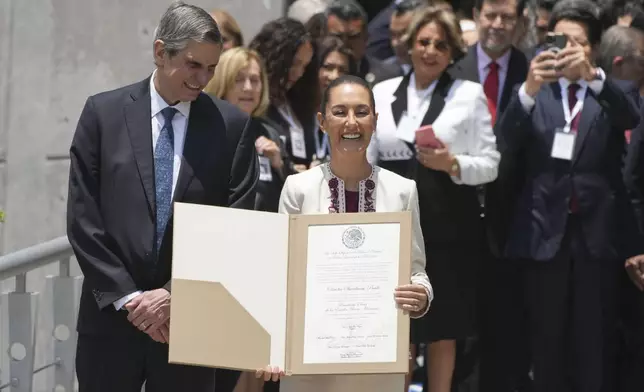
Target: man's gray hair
(182,23)
(616,41)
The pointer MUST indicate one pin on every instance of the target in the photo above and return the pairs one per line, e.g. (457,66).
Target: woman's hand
(271,150)
(270,373)
(411,297)
(435,158)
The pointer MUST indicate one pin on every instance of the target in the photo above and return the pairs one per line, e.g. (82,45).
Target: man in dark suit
(573,223)
(135,151)
(378,43)
(500,68)
(347,20)
(633,289)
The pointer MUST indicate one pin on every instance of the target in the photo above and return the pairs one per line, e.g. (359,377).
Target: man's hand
(635,269)
(574,57)
(162,334)
(542,70)
(150,310)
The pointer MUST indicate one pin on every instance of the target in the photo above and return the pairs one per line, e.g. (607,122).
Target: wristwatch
(453,170)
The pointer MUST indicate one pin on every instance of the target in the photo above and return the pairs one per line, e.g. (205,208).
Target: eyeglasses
(439,45)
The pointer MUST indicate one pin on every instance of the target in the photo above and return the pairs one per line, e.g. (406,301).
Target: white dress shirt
(418,101)
(179,126)
(597,86)
(484,67)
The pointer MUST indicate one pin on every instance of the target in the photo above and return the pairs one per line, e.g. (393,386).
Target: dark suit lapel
(555,108)
(588,114)
(138,117)
(469,66)
(197,137)
(399,105)
(437,102)
(516,75)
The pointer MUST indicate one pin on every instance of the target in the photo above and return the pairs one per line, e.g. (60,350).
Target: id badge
(265,172)
(406,129)
(563,145)
(297,144)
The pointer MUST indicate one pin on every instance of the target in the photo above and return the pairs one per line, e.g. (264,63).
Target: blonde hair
(443,17)
(230,64)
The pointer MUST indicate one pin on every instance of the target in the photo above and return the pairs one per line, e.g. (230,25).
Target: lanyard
(568,116)
(321,151)
(286,113)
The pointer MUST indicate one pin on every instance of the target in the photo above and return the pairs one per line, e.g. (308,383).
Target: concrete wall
(53,54)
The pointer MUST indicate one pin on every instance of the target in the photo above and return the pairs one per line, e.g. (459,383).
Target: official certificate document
(311,294)
(351,315)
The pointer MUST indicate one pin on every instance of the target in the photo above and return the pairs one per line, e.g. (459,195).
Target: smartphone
(556,42)
(425,137)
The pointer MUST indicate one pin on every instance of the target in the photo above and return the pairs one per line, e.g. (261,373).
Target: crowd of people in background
(503,318)
(527,184)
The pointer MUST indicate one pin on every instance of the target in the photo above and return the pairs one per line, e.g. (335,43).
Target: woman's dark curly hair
(277,43)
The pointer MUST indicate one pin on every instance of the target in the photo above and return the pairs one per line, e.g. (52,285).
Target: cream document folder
(242,293)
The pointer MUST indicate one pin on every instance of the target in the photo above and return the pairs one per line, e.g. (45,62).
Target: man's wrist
(593,74)
(530,90)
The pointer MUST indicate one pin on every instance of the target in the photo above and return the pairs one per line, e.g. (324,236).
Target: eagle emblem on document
(353,237)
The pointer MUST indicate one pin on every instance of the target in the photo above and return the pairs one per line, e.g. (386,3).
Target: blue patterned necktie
(163,169)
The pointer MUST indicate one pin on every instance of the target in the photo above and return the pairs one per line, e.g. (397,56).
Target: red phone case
(425,137)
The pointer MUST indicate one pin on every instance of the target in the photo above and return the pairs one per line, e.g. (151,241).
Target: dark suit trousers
(123,363)
(571,303)
(503,334)
(632,349)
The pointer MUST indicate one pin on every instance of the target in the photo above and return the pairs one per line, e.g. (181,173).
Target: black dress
(450,218)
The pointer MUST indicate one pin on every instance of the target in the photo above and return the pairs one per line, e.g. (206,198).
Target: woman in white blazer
(447,170)
(348,183)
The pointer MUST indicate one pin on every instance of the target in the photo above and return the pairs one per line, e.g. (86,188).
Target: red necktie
(574,124)
(572,101)
(491,88)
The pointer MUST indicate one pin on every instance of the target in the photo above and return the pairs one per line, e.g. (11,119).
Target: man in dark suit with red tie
(573,225)
(500,68)
(136,150)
